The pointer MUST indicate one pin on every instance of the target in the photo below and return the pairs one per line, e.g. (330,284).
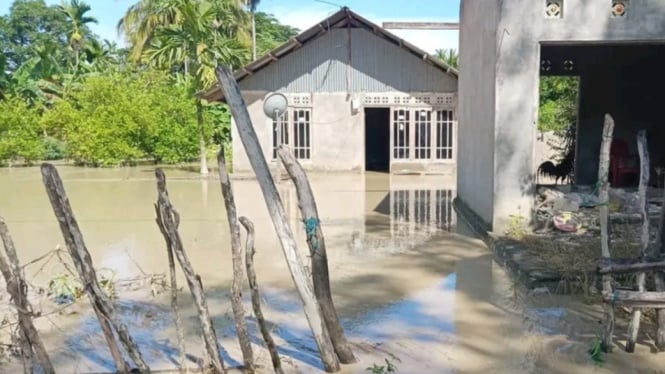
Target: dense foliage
(558,103)
(65,93)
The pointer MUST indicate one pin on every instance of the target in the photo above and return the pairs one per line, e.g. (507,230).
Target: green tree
(558,103)
(74,12)
(449,56)
(32,23)
(190,37)
(19,132)
(271,33)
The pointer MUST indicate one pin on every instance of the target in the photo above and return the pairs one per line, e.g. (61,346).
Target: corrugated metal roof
(341,19)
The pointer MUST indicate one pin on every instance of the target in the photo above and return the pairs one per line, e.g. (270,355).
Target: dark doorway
(377,139)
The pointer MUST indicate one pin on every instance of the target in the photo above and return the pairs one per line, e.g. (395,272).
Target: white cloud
(428,40)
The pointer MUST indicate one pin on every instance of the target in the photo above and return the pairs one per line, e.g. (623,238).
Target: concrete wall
(377,66)
(476,98)
(521,28)
(337,134)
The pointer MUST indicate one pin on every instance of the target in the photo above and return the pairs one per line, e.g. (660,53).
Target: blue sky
(305,13)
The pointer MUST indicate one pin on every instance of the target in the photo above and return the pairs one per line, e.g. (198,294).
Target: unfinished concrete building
(616,49)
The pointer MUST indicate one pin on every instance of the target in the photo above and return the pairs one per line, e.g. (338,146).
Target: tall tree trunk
(253,33)
(202,139)
(604,197)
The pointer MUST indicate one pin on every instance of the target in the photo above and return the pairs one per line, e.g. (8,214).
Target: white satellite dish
(274,105)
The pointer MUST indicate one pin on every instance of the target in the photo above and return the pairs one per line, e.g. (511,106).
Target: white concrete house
(615,47)
(360,98)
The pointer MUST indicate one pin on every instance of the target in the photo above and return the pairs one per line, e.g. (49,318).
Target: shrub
(19,132)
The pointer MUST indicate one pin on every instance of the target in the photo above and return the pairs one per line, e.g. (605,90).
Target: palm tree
(190,36)
(449,56)
(253,4)
(75,13)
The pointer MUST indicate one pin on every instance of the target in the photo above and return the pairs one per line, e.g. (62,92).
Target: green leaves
(20,140)
(558,103)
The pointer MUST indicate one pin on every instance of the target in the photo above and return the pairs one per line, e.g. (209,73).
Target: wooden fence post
(236,253)
(603,197)
(81,257)
(659,279)
(317,250)
(174,292)
(169,220)
(276,209)
(634,325)
(17,289)
(256,297)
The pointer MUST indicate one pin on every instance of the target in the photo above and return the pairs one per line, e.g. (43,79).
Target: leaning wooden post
(78,251)
(280,222)
(634,324)
(17,289)
(169,220)
(174,292)
(317,250)
(604,197)
(256,297)
(236,253)
(659,280)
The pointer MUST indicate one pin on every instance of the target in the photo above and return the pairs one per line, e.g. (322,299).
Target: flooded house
(359,98)
(615,48)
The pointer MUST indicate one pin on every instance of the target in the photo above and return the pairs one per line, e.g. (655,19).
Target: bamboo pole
(256,297)
(317,250)
(169,220)
(78,251)
(634,324)
(174,291)
(17,288)
(603,196)
(236,253)
(274,204)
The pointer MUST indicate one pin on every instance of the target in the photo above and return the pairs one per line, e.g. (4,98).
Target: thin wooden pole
(634,324)
(256,296)
(659,279)
(603,196)
(280,222)
(174,292)
(169,220)
(319,256)
(78,251)
(17,288)
(236,253)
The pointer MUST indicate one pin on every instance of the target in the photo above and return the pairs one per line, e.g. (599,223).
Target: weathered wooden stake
(236,253)
(604,197)
(169,220)
(17,289)
(174,293)
(256,297)
(659,279)
(81,257)
(317,250)
(255,154)
(634,324)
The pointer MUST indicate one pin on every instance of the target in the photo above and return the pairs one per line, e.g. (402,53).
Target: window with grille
(295,129)
(401,134)
(301,133)
(423,122)
(444,138)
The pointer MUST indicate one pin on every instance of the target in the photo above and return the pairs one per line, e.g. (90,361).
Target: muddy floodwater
(411,284)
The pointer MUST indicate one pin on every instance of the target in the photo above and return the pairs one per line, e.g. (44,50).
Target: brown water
(406,278)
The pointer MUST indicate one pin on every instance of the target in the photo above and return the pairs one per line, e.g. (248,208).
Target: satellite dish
(274,104)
